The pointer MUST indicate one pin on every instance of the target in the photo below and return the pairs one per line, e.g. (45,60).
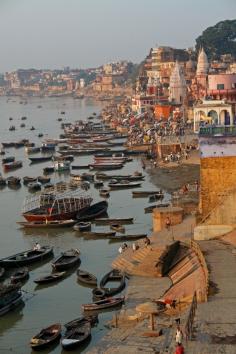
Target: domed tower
(178,88)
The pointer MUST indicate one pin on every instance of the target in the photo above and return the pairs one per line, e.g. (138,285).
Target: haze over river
(56,302)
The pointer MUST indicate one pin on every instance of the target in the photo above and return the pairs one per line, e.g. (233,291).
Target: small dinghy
(108,221)
(114,275)
(27,180)
(50,278)
(92,212)
(103,304)
(87,278)
(98,234)
(104,193)
(76,336)
(82,226)
(20,275)
(93,319)
(46,337)
(66,260)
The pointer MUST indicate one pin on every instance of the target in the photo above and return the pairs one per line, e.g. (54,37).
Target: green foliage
(219,39)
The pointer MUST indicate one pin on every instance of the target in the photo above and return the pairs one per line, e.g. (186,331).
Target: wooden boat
(66,260)
(103,166)
(82,226)
(114,184)
(86,277)
(155,197)
(26,257)
(20,275)
(62,166)
(8,145)
(93,319)
(13,181)
(12,165)
(50,278)
(79,167)
(113,276)
(98,234)
(131,178)
(27,180)
(104,193)
(40,159)
(103,304)
(10,297)
(61,203)
(76,336)
(92,212)
(2,272)
(47,224)
(119,238)
(34,186)
(141,194)
(108,221)
(117,227)
(43,179)
(46,337)
(8,159)
(150,208)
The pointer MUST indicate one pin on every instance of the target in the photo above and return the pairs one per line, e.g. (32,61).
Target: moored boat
(26,257)
(99,234)
(34,186)
(27,180)
(46,337)
(13,181)
(114,275)
(76,336)
(114,184)
(104,192)
(92,212)
(43,179)
(20,275)
(47,224)
(66,260)
(10,297)
(86,277)
(12,165)
(150,208)
(104,176)
(117,227)
(40,159)
(103,304)
(108,221)
(50,278)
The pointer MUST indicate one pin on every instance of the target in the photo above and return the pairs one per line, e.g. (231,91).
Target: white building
(178,88)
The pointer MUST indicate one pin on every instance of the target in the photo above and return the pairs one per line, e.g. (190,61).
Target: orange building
(163,111)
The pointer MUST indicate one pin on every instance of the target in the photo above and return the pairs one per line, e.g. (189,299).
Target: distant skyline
(88,33)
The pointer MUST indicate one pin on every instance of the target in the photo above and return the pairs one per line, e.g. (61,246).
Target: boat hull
(12,305)
(43,217)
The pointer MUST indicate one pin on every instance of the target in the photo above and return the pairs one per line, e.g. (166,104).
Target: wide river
(59,302)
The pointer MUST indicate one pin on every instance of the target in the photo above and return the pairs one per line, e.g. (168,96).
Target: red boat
(55,205)
(12,165)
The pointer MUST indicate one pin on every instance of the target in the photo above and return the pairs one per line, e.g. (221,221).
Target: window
(220,86)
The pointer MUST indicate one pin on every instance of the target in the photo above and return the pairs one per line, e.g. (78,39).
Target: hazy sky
(85,33)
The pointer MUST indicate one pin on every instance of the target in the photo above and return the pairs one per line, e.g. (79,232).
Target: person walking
(179,335)
(168,223)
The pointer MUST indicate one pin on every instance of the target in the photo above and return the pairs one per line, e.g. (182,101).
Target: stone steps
(187,268)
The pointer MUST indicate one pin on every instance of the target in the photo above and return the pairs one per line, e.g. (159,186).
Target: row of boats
(77,331)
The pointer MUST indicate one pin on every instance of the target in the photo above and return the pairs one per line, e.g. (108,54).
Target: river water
(57,302)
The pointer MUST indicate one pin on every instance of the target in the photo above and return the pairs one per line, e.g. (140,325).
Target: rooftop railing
(229,130)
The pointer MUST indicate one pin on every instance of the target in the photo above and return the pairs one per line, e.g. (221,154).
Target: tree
(219,39)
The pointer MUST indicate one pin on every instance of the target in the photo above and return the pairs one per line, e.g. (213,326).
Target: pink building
(222,86)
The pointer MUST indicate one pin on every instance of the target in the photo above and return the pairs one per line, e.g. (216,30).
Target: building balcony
(211,130)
